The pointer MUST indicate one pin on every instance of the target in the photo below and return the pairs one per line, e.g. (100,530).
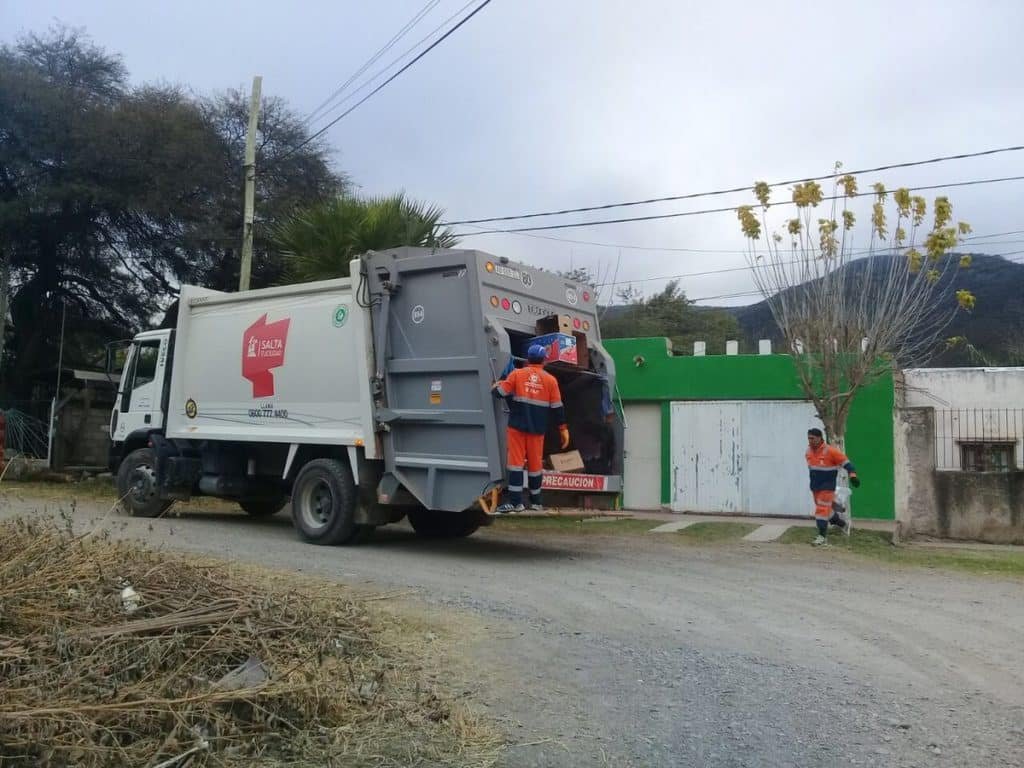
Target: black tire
(324,503)
(263,507)
(444,525)
(136,485)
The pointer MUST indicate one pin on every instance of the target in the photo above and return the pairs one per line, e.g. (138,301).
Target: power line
(380,87)
(744,294)
(325,105)
(732,208)
(749,268)
(383,70)
(995,234)
(630,247)
(732,190)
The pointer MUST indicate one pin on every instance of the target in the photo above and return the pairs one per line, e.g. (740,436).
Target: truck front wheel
(136,485)
(324,503)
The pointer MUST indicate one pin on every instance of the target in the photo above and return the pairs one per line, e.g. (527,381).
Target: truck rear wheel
(443,525)
(263,507)
(324,503)
(136,485)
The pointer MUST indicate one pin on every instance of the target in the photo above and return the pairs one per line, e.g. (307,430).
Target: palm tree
(319,242)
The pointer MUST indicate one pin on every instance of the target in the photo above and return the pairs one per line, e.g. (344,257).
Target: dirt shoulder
(631,650)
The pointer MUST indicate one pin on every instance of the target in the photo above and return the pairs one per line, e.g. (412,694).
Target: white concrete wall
(971,405)
(957,388)
(642,474)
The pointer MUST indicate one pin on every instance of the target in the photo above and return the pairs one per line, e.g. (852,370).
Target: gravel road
(640,651)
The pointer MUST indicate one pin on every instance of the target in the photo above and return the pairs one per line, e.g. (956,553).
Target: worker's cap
(815,431)
(536,353)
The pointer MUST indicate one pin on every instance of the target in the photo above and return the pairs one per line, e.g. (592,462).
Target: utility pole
(55,404)
(250,185)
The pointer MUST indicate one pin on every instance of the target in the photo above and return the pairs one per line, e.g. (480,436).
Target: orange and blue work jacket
(823,463)
(533,394)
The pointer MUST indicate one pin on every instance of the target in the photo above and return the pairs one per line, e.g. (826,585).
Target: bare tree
(846,315)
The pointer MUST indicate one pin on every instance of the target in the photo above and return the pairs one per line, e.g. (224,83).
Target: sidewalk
(690,518)
(768,528)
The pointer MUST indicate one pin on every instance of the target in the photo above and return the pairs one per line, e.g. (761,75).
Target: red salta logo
(262,349)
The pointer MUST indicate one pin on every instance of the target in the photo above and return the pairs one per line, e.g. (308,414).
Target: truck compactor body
(362,400)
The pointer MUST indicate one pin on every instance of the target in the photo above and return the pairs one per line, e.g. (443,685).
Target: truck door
(140,401)
(434,360)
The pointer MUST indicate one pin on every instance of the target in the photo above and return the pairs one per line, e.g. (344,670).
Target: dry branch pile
(114,655)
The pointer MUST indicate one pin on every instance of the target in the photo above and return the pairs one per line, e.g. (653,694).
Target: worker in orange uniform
(823,462)
(533,395)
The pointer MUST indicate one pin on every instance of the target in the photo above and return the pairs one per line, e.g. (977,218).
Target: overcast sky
(536,105)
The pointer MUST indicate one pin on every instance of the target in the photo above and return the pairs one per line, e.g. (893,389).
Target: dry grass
(95,489)
(84,682)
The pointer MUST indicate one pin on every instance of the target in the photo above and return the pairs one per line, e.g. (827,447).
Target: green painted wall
(664,378)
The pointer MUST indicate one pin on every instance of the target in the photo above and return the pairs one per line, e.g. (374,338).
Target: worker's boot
(820,541)
(511,509)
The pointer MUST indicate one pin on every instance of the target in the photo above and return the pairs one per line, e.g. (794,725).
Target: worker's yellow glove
(564,432)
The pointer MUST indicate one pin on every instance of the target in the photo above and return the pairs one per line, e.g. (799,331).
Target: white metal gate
(741,456)
(642,473)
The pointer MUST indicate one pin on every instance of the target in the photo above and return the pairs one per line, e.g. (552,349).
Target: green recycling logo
(340,316)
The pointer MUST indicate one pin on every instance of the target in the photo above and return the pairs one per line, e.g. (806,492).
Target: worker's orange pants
(823,504)
(524,448)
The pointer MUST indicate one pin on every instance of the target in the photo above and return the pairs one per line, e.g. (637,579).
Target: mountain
(994,329)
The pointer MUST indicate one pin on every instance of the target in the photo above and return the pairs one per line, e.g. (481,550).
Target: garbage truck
(362,400)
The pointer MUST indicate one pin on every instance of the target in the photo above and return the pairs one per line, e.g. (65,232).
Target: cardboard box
(560,347)
(570,461)
(582,351)
(554,324)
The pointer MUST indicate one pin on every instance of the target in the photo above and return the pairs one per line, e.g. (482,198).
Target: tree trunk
(5,288)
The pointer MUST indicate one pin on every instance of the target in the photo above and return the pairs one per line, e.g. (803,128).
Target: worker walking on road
(533,395)
(824,462)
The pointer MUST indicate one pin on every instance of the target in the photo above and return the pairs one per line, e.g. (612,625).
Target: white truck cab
(140,405)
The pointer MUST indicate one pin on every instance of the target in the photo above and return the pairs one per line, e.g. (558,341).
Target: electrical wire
(326,105)
(731,208)
(380,87)
(383,70)
(744,188)
(1006,256)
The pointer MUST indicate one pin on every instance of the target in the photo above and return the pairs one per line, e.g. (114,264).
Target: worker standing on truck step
(823,462)
(533,394)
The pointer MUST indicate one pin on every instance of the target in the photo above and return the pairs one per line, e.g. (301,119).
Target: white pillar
(732,347)
(699,348)
(764,347)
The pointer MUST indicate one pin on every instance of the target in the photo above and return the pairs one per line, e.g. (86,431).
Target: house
(959,451)
(727,433)
(978,414)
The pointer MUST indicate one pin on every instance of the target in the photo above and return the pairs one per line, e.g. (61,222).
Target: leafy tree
(669,313)
(319,242)
(112,196)
(286,181)
(846,323)
(579,275)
